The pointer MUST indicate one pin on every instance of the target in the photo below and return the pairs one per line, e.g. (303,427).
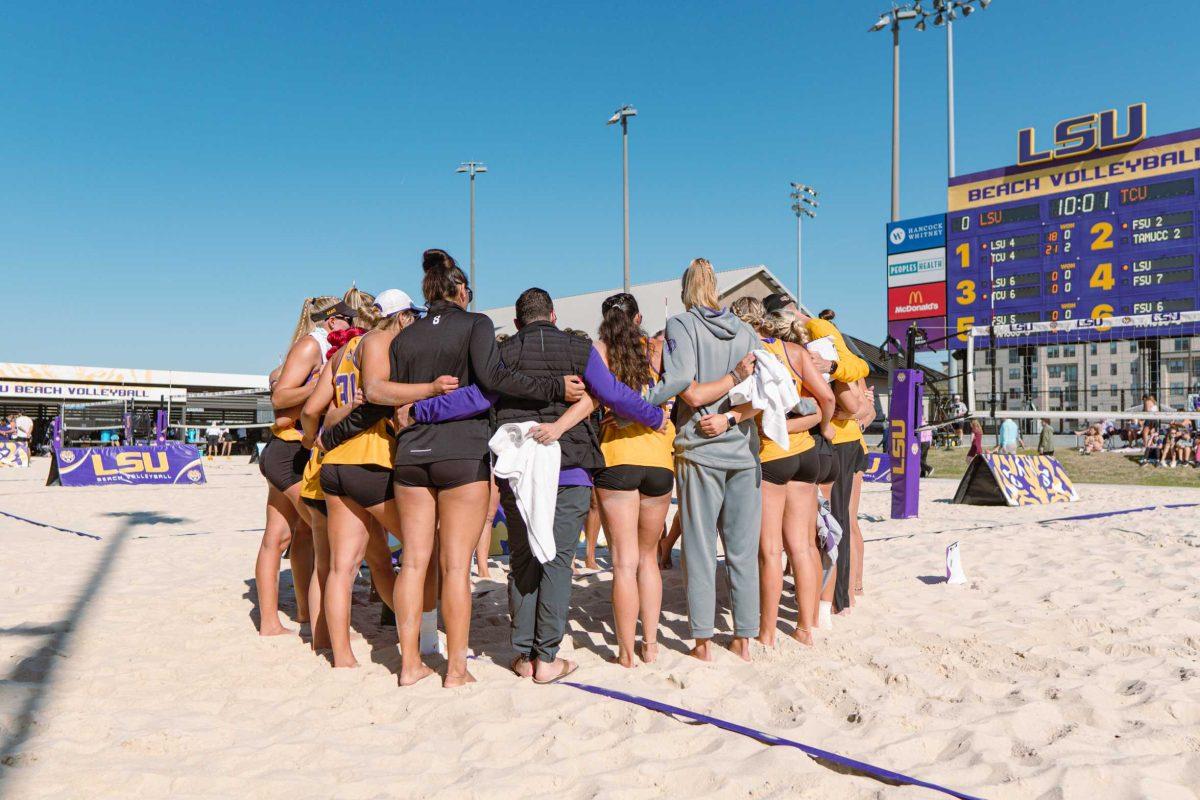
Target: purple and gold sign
(169,464)
(14,453)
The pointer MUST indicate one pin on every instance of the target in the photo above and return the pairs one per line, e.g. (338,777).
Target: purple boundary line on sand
(51,527)
(768,739)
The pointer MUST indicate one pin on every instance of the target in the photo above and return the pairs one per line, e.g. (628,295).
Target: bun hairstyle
(827,315)
(749,310)
(625,340)
(442,276)
(786,325)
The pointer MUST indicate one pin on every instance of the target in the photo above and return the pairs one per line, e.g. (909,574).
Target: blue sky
(175,179)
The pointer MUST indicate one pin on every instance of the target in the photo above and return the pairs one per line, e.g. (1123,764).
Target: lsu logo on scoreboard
(131,464)
(1076,136)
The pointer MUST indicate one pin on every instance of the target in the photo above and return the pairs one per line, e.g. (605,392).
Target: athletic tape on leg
(51,527)
(769,739)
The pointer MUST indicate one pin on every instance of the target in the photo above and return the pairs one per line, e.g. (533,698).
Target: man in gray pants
(716,458)
(539,595)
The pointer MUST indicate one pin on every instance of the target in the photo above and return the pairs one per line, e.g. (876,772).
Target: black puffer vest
(541,349)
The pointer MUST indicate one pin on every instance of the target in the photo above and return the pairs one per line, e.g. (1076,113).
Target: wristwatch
(731,418)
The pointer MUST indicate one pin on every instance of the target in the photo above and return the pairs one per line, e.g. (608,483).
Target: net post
(992,352)
(904,450)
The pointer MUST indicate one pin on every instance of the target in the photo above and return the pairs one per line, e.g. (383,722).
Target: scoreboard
(1091,237)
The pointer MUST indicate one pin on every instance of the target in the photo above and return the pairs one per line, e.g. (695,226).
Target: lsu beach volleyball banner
(996,479)
(14,454)
(171,463)
(879,468)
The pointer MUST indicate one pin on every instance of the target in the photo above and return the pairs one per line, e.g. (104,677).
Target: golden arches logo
(915,297)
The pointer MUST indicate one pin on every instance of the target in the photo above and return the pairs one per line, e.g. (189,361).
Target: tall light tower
(804,204)
(892,19)
(622,116)
(471,169)
(945,12)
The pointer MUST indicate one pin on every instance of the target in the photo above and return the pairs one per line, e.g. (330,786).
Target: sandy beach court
(1068,667)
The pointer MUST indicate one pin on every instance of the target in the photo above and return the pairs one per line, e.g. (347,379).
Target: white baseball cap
(390,302)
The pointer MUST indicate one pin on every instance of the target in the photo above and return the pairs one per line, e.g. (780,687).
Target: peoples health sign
(923,266)
(169,464)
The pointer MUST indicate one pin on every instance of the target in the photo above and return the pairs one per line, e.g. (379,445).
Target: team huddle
(408,420)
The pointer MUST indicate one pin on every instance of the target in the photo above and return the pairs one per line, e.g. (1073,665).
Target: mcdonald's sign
(917,301)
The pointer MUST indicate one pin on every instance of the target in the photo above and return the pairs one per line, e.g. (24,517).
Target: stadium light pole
(471,169)
(804,204)
(622,116)
(945,12)
(892,19)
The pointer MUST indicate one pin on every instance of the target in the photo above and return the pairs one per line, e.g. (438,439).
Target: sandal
(566,669)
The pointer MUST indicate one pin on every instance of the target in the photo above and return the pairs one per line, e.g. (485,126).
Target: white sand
(1069,667)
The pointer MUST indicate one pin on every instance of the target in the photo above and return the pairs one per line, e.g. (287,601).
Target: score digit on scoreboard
(1103,226)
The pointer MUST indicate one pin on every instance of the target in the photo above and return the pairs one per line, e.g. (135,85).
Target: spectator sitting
(6,429)
(1170,439)
(1184,445)
(1093,441)
(1154,449)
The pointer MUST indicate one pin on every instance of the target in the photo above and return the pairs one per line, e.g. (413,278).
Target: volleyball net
(1077,372)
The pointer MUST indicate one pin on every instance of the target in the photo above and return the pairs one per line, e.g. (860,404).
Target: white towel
(771,390)
(532,472)
(825,348)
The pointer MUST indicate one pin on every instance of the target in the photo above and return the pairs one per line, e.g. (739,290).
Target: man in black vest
(539,595)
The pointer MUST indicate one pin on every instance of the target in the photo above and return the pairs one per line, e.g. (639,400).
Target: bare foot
(701,651)
(274,630)
(624,659)
(766,638)
(521,667)
(664,555)
(553,671)
(740,647)
(649,652)
(592,565)
(453,681)
(803,636)
(417,673)
(344,662)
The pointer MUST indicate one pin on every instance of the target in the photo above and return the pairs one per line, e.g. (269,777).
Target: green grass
(1095,468)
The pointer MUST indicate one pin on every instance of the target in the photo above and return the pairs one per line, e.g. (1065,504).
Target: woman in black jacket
(443,469)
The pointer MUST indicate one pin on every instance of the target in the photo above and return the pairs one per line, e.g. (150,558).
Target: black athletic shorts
(366,484)
(828,464)
(448,474)
(213,441)
(650,481)
(806,467)
(282,463)
(315,504)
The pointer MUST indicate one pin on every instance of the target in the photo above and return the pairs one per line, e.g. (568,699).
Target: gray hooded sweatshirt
(704,345)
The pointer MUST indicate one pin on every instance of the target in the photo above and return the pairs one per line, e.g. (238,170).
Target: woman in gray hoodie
(707,352)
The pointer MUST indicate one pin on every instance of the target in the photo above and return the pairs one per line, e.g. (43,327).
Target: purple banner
(172,463)
(14,453)
(879,468)
(903,448)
